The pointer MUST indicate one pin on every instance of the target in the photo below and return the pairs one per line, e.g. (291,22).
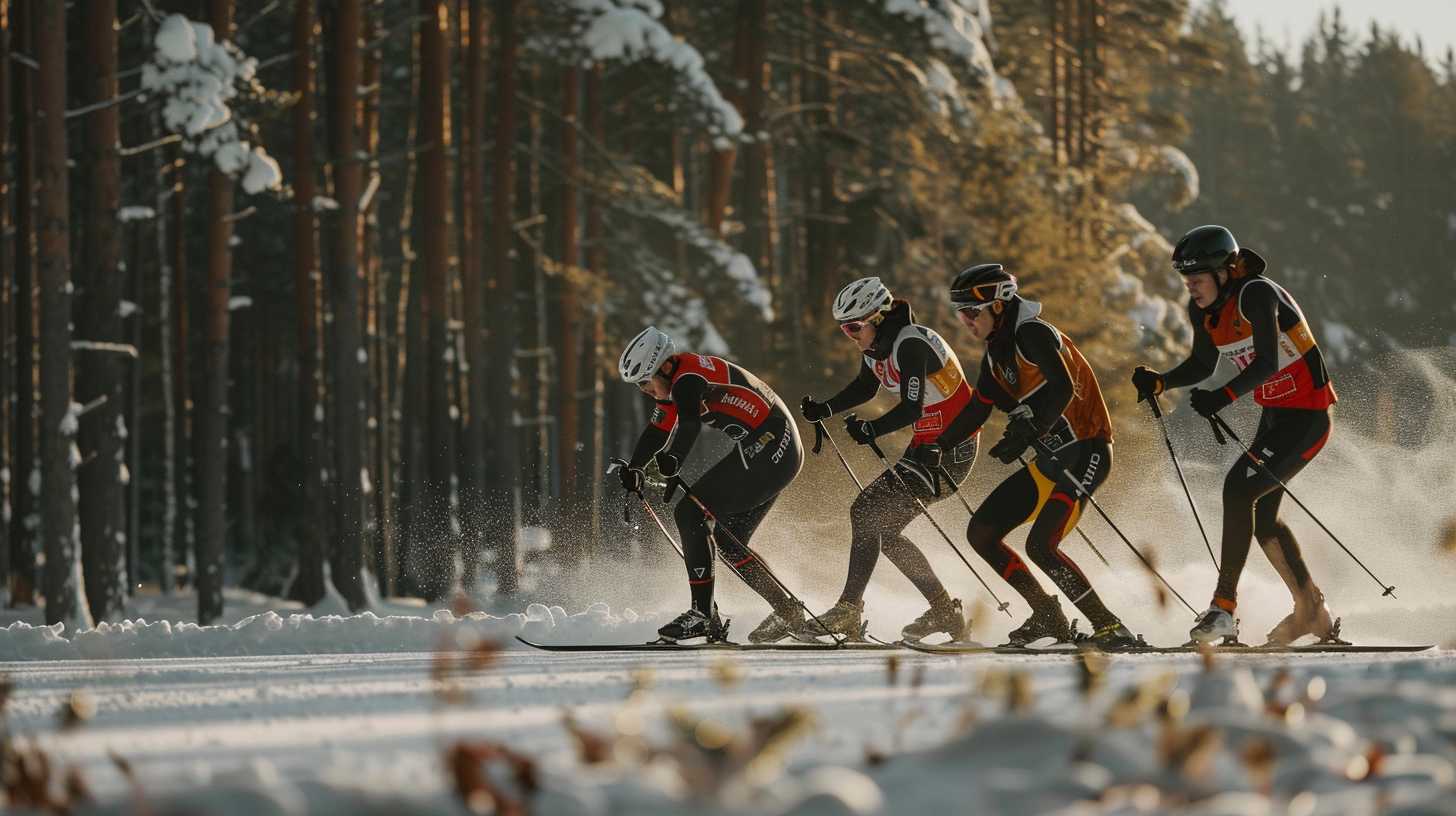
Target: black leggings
(739,497)
(1287,440)
(1041,491)
(881,512)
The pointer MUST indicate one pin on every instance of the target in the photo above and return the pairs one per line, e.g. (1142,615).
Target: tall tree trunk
(569,351)
(184,547)
(381,456)
(407,399)
(348,551)
(472,216)
(756,193)
(596,253)
(64,592)
(25,521)
(822,202)
(502,507)
(7,309)
(437,571)
(720,170)
(100,374)
(308,583)
(169,175)
(212,426)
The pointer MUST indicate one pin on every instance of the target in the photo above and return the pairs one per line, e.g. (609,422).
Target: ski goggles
(854,327)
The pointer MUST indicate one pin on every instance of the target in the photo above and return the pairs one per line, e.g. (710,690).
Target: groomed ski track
(380,720)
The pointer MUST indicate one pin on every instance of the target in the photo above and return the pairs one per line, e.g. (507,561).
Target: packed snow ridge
(270,633)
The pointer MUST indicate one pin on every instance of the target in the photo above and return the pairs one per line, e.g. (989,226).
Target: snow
(71,421)
(629,30)
(951,27)
(197,77)
(1178,163)
(322,203)
(237,302)
(332,714)
(126,308)
(128,214)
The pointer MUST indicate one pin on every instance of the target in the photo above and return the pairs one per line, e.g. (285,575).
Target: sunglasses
(854,327)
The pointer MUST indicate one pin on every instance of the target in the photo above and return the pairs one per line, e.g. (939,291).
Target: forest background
(306,292)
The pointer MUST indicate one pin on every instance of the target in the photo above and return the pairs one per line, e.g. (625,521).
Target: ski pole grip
(818,436)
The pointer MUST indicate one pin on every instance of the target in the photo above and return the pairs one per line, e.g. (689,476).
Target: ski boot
(1310,617)
(1215,624)
(845,619)
(778,625)
(694,624)
(1046,621)
(946,616)
(1113,637)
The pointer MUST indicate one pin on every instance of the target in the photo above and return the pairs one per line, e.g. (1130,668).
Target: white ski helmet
(644,355)
(861,299)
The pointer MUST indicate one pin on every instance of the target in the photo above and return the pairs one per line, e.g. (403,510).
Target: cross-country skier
(1035,374)
(914,362)
(693,390)
(1239,314)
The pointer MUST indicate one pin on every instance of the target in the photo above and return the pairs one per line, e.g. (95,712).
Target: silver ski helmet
(644,355)
(1205,249)
(861,299)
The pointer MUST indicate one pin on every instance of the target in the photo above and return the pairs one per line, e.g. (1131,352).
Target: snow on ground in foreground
(856,733)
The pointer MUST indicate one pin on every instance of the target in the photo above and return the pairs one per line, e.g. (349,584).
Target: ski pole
(677,482)
(1218,423)
(1043,450)
(1167,440)
(1001,606)
(820,434)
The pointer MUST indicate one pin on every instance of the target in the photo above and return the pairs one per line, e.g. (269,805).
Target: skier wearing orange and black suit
(1239,314)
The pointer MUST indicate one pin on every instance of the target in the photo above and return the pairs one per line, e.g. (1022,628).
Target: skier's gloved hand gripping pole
(1043,451)
(1167,440)
(1001,606)
(646,505)
(1220,428)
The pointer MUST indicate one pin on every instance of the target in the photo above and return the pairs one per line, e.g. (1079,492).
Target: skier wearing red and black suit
(913,361)
(1239,314)
(691,391)
(1037,375)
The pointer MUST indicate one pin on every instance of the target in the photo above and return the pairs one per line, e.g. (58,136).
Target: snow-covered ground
(281,726)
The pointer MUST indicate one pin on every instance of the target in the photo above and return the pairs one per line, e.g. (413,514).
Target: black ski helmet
(980,285)
(1205,249)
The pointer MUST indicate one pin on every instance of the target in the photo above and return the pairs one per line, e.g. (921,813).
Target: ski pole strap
(673,483)
(818,436)
(1157,409)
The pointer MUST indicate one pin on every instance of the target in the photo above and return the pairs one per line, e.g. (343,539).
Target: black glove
(632,478)
(1208,403)
(1148,382)
(1020,433)
(860,430)
(814,411)
(668,463)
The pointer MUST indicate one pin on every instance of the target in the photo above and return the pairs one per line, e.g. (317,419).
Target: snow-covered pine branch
(630,31)
(197,77)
